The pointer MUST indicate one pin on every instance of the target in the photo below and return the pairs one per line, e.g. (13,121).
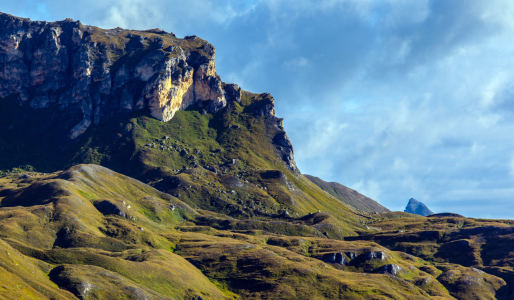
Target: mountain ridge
(347,195)
(208,205)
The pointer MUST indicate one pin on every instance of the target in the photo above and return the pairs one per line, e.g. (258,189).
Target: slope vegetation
(91,233)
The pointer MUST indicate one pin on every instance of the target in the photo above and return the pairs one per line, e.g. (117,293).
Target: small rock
(337,258)
(210,168)
(380,255)
(391,269)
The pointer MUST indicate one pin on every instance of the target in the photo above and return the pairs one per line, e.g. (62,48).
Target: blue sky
(394,98)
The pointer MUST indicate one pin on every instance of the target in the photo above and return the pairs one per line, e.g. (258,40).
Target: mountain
(418,208)
(129,170)
(348,196)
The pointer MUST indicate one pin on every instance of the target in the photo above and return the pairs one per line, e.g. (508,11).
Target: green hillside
(97,234)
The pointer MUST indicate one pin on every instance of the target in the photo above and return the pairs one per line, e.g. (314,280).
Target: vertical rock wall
(91,74)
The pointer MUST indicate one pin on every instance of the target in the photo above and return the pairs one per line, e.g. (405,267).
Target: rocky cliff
(87,75)
(92,74)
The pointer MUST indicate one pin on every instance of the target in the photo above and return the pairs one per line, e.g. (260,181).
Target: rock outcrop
(91,74)
(418,208)
(390,269)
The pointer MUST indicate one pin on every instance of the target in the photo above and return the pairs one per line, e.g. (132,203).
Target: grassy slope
(55,223)
(60,213)
(452,243)
(263,186)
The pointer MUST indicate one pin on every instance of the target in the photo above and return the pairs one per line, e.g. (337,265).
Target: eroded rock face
(391,269)
(91,74)
(337,258)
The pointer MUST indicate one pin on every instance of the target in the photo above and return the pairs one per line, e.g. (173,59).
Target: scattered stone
(210,168)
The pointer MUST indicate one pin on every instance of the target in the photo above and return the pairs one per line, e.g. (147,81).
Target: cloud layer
(394,98)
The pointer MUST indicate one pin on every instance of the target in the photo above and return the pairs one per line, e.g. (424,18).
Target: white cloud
(369,188)
(494,87)
(400,166)
(297,63)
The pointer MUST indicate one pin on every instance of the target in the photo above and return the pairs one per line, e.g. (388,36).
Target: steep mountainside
(129,170)
(418,208)
(348,196)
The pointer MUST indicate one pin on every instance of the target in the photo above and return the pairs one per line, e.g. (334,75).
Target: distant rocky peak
(418,208)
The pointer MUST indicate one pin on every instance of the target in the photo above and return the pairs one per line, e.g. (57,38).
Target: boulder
(336,258)
(390,269)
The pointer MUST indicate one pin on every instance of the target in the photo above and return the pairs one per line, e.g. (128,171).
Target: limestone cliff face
(91,74)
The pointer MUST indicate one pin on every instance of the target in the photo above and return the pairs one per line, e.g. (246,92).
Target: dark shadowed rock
(233,92)
(379,255)
(445,215)
(337,258)
(108,207)
(391,269)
